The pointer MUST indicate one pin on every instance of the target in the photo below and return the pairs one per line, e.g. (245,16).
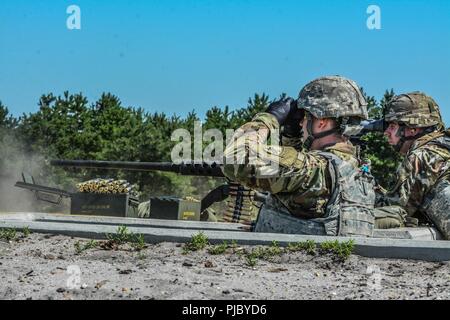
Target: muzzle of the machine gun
(369,126)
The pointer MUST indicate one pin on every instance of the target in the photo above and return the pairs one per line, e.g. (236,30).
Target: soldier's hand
(282,108)
(288,115)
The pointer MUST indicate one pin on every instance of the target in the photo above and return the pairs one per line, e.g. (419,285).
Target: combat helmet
(333,97)
(414,110)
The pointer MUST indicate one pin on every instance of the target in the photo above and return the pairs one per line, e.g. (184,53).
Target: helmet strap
(309,128)
(401,133)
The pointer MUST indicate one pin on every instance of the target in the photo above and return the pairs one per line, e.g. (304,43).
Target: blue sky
(175,56)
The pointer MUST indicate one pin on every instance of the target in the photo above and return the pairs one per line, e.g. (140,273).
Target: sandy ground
(48,267)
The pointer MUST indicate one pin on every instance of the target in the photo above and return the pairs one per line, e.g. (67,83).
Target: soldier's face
(391,133)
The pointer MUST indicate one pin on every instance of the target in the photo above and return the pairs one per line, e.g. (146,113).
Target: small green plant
(329,245)
(309,246)
(346,249)
(251,259)
(91,244)
(198,242)
(8,234)
(80,247)
(218,249)
(274,249)
(264,253)
(121,236)
(292,247)
(26,232)
(342,249)
(138,242)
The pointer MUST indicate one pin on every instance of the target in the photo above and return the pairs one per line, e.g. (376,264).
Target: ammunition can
(171,208)
(98,204)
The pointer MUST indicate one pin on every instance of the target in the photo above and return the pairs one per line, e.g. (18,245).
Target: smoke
(13,162)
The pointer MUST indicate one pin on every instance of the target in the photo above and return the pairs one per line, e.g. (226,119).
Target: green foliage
(138,242)
(342,249)
(251,259)
(12,234)
(26,232)
(8,234)
(122,235)
(309,246)
(80,247)
(263,253)
(198,242)
(218,249)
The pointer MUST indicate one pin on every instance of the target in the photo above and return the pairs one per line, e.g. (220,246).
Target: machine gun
(239,199)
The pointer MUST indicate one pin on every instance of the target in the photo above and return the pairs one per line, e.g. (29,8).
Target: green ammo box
(96,204)
(171,208)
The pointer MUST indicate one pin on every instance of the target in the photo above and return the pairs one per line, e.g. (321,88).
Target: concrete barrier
(155,231)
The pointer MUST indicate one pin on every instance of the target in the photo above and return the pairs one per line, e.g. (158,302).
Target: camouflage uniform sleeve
(416,176)
(290,170)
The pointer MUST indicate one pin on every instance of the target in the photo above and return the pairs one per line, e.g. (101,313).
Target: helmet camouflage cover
(414,109)
(333,97)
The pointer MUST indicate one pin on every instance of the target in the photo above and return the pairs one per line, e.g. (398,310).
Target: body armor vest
(349,211)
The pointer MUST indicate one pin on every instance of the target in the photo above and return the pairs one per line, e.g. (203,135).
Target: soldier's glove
(288,115)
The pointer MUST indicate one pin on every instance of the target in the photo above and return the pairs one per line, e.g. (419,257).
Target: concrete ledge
(399,233)
(368,247)
(134,222)
(421,233)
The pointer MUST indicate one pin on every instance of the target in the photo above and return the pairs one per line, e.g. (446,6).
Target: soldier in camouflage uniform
(316,190)
(416,130)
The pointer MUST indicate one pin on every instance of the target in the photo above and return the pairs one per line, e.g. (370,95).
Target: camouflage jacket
(302,182)
(424,165)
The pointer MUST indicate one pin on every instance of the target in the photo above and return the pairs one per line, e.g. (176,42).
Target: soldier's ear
(320,123)
(324,123)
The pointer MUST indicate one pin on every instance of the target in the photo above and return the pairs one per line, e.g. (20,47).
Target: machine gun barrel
(187,169)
